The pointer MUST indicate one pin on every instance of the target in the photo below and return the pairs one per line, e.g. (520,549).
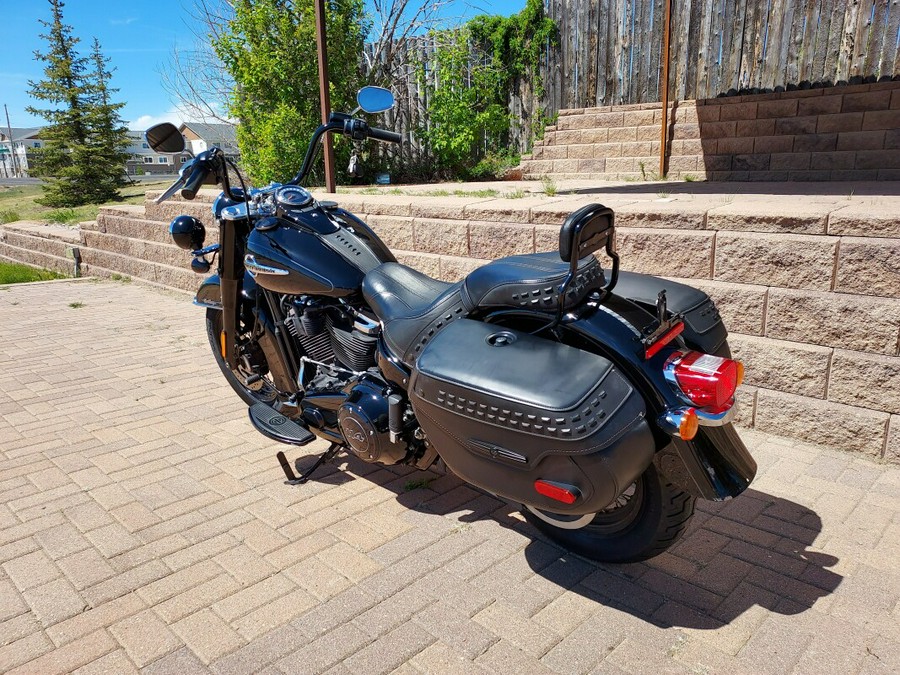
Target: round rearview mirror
(165,138)
(375,99)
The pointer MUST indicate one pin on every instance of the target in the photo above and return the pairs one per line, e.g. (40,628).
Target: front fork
(231,271)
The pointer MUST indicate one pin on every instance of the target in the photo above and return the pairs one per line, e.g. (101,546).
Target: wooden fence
(609,53)
(610,50)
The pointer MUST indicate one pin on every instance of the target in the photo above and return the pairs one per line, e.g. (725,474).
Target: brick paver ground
(144,525)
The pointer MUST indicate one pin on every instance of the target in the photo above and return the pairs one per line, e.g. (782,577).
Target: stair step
(168,210)
(42,230)
(160,273)
(136,228)
(31,258)
(148,251)
(23,239)
(132,210)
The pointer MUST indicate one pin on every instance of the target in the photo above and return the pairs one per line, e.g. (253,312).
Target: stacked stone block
(836,133)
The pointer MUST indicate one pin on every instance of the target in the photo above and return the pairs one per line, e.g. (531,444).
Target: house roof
(20,133)
(213,134)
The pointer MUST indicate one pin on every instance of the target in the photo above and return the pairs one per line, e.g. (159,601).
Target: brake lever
(172,189)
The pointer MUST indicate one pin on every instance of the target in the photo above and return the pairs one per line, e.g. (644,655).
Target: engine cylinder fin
(351,347)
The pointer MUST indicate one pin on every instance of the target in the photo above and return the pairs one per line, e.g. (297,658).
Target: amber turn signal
(689,425)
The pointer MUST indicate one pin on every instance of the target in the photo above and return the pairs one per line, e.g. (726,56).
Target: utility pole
(324,93)
(12,146)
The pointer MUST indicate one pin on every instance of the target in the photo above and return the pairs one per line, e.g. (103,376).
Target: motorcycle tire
(650,516)
(263,390)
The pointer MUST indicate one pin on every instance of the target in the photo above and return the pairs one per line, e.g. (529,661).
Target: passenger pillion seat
(413,307)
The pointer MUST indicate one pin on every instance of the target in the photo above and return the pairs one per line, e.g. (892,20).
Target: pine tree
(83,159)
(108,136)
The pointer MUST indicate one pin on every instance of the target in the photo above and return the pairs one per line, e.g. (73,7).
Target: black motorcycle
(601,401)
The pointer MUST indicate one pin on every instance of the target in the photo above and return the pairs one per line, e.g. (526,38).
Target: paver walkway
(144,525)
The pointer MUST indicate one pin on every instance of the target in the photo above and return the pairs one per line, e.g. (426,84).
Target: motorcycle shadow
(751,551)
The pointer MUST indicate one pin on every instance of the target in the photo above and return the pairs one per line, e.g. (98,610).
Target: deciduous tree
(269,49)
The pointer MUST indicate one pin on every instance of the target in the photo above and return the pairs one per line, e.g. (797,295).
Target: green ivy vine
(476,70)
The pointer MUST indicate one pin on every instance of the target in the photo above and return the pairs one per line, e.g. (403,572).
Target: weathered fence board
(609,53)
(717,45)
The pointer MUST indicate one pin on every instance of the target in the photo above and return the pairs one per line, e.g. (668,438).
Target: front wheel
(251,363)
(644,521)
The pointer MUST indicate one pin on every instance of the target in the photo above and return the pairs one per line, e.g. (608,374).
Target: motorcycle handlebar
(195,181)
(384,135)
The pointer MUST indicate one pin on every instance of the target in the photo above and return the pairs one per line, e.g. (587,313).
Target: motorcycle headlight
(187,232)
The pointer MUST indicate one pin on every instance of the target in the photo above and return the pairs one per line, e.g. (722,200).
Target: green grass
(549,186)
(12,273)
(438,192)
(416,484)
(19,203)
(76,305)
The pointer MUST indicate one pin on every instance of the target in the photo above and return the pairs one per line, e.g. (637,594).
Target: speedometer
(292,196)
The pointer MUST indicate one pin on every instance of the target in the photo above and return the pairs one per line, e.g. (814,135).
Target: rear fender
(714,465)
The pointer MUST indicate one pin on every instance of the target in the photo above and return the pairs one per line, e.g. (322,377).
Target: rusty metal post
(667,31)
(324,93)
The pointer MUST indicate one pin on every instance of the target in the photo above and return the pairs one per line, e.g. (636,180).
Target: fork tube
(230,272)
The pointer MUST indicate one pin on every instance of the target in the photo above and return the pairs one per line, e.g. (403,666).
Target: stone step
(168,210)
(165,275)
(33,258)
(96,270)
(617,169)
(148,251)
(125,210)
(622,134)
(136,228)
(19,239)
(204,196)
(43,230)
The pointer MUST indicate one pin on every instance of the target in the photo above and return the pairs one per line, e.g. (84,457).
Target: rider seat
(413,307)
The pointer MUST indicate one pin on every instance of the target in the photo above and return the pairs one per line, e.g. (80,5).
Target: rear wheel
(251,362)
(644,521)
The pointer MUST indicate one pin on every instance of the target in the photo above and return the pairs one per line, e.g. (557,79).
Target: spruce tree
(82,160)
(107,134)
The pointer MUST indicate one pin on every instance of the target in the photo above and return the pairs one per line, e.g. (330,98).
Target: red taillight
(567,494)
(708,381)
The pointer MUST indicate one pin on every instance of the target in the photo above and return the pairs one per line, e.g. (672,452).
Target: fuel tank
(306,252)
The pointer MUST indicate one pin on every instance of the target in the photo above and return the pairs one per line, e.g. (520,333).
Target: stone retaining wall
(835,133)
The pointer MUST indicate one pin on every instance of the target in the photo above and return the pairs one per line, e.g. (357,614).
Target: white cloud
(175,115)
(123,22)
(146,121)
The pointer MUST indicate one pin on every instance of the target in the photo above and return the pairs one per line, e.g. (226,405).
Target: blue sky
(137,35)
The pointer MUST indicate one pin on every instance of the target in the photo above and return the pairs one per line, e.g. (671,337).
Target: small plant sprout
(549,186)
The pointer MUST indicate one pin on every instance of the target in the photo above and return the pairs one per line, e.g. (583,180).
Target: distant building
(144,160)
(200,137)
(17,152)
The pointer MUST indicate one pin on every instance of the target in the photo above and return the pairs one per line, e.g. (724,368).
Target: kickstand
(293,479)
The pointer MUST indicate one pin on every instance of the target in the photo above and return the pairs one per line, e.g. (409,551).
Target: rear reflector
(653,349)
(708,381)
(567,494)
